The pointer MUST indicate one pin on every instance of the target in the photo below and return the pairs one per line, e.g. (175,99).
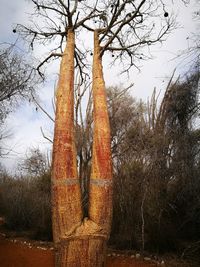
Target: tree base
(81,251)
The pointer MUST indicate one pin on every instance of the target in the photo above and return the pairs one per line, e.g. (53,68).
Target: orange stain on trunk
(66,194)
(100,195)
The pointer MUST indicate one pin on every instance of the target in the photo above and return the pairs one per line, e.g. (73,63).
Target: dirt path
(20,253)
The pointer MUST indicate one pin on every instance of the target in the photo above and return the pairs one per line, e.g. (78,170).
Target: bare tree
(16,78)
(123,28)
(17,83)
(118,33)
(35,164)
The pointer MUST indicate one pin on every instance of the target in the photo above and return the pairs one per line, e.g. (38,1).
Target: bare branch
(88,17)
(46,60)
(125,21)
(75,8)
(45,137)
(43,110)
(124,27)
(63,5)
(49,8)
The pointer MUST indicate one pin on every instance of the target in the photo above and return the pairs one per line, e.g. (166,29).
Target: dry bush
(156,206)
(26,205)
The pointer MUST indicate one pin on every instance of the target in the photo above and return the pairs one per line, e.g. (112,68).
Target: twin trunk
(80,242)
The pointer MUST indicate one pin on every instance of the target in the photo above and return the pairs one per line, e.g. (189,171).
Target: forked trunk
(80,243)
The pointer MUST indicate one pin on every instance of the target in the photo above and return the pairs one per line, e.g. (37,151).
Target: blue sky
(25,123)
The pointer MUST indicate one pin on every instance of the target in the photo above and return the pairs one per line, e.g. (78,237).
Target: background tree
(35,164)
(26,197)
(182,112)
(160,166)
(17,83)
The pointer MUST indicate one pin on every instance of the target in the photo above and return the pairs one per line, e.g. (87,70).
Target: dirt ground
(18,252)
(21,252)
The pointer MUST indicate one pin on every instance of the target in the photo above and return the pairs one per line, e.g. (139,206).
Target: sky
(25,123)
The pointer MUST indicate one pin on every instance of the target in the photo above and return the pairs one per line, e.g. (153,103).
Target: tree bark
(100,190)
(80,242)
(66,194)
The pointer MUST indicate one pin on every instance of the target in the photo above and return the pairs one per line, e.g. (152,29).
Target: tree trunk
(78,242)
(66,194)
(100,191)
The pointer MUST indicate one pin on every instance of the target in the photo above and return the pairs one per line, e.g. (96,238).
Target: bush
(26,205)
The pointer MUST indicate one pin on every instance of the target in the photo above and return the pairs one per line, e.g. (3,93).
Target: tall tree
(66,194)
(17,83)
(112,36)
(122,27)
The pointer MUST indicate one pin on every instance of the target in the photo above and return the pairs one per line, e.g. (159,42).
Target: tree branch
(43,110)
(46,60)
(45,137)
(49,8)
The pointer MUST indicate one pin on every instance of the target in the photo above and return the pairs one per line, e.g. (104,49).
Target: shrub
(26,205)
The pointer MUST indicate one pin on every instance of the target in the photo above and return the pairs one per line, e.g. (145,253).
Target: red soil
(21,255)
(18,253)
